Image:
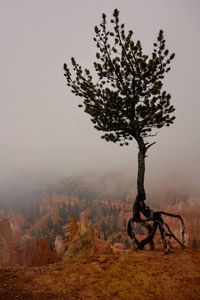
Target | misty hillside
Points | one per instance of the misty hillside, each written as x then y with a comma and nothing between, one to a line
107,199
115,185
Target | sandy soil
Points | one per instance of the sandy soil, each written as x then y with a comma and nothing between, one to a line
131,276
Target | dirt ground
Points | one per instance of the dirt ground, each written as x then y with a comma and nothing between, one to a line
131,276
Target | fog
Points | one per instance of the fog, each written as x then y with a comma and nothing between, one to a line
44,135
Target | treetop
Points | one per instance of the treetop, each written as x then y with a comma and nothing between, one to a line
127,101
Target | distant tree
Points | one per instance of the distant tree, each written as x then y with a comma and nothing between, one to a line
127,101
127,243
105,228
195,243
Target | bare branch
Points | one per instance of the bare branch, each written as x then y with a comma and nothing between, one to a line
150,145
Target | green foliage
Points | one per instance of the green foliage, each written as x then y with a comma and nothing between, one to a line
128,100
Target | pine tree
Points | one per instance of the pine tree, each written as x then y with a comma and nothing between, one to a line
127,101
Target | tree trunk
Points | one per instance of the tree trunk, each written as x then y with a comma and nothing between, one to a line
140,175
139,205
141,170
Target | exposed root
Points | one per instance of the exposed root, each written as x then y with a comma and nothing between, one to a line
152,223
182,223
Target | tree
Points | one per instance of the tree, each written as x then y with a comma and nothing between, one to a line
127,101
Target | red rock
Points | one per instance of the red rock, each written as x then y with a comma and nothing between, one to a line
102,247
84,241
7,244
118,248
59,245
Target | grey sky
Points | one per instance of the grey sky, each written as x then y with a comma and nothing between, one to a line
43,132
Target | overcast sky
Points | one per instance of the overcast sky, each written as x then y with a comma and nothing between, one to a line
43,134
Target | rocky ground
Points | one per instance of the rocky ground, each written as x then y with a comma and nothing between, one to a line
126,276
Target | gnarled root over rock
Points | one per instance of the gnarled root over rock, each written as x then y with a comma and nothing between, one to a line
153,222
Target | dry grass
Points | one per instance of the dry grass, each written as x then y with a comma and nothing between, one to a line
130,276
